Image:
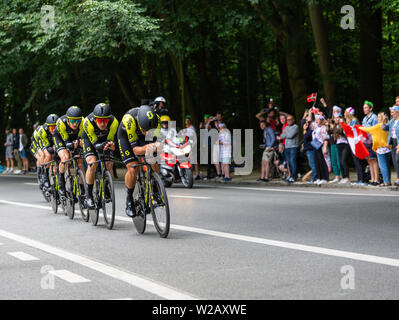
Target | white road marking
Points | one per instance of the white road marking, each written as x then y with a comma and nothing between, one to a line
311,192
28,205
138,281
274,243
282,244
69,276
23,256
187,197
31,184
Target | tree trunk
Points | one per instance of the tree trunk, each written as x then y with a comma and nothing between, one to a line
188,101
323,53
370,53
287,104
125,90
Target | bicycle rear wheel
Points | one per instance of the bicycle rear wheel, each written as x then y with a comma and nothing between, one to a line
159,206
81,196
108,200
140,220
70,197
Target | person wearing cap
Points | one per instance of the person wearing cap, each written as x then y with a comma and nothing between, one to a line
370,120
320,144
68,131
393,128
99,130
9,152
380,146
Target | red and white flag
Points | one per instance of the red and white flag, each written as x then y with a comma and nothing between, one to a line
312,97
355,138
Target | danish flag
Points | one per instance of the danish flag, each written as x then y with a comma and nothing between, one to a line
355,138
312,97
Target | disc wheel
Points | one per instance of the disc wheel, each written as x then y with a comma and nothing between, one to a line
140,220
159,206
108,200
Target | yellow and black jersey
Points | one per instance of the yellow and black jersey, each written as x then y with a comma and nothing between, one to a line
131,126
66,133
44,137
94,134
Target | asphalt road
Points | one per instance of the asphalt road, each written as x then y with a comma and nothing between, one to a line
226,242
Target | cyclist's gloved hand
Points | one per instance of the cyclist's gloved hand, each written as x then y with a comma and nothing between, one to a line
100,146
51,150
70,146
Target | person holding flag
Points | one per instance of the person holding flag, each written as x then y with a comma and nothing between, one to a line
355,137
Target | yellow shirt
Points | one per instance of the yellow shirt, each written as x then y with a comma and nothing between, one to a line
380,137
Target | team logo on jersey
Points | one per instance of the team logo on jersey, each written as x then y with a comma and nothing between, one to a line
150,115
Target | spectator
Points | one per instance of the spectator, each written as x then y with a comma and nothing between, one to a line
393,128
9,152
380,146
333,126
23,142
280,162
308,125
351,120
190,131
319,143
17,156
282,123
219,117
344,151
291,136
225,151
211,168
370,120
269,139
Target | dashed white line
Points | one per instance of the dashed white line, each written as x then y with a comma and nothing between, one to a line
138,281
31,183
68,276
188,197
22,256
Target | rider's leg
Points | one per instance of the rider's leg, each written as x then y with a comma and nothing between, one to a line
90,177
130,183
46,158
64,156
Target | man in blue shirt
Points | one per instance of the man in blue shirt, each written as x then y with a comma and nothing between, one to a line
370,120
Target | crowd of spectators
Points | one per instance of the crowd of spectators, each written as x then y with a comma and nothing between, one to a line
331,139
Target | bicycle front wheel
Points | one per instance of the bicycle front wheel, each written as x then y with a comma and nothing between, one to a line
159,206
53,190
108,200
70,197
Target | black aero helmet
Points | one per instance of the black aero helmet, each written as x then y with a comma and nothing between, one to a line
52,120
74,112
102,110
147,118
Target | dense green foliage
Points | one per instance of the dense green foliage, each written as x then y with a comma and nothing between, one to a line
202,55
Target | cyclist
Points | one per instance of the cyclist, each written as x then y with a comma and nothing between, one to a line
132,143
99,130
37,152
45,143
159,105
68,131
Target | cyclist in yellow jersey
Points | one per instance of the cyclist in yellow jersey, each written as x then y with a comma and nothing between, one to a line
132,143
66,138
99,131
44,138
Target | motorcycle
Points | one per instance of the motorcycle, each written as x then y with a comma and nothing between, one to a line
175,166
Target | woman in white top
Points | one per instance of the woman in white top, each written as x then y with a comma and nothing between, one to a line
320,143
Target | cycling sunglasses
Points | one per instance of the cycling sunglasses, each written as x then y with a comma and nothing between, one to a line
74,121
102,120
